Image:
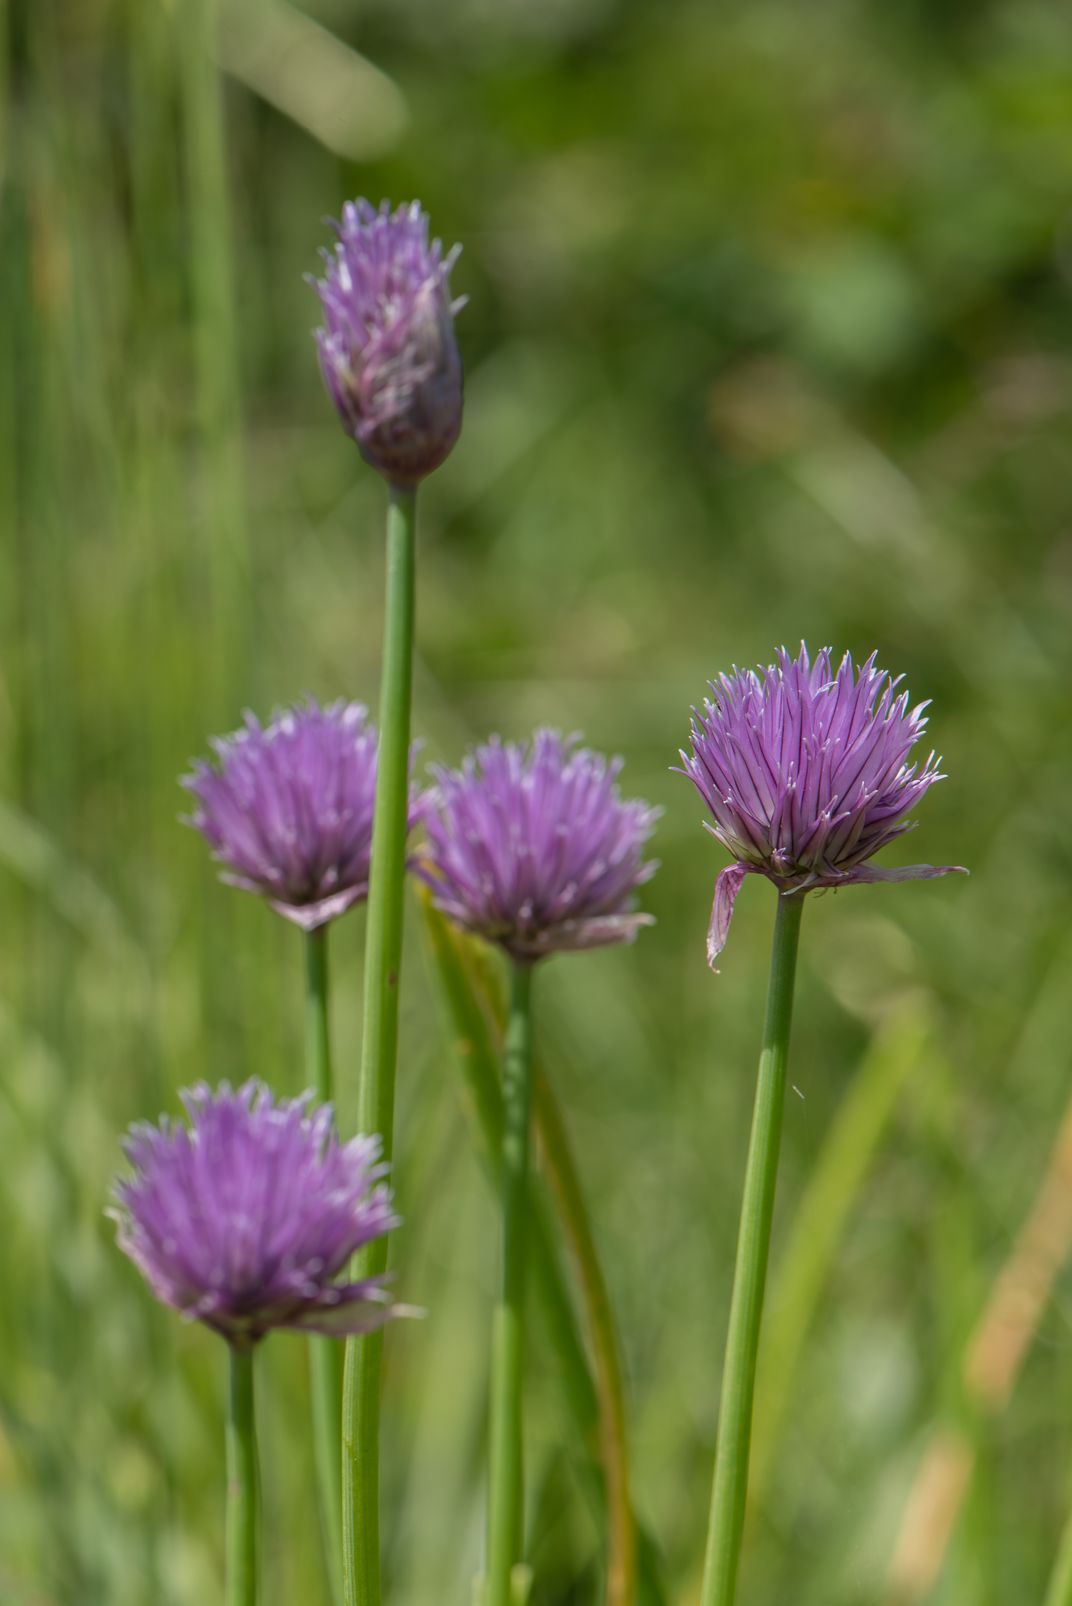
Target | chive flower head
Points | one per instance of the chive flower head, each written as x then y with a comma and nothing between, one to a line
807,772
387,347
287,808
531,847
245,1219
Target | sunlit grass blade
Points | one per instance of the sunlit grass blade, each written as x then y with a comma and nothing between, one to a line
992,1363
222,518
1059,1592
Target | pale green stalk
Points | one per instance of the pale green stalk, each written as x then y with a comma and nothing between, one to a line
325,1357
750,1274
506,1461
241,1482
614,1448
379,1049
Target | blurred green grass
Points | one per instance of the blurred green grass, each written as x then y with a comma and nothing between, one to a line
768,337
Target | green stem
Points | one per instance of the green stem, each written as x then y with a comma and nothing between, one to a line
325,1356
750,1274
379,1049
505,1474
241,1482
565,1185
473,1002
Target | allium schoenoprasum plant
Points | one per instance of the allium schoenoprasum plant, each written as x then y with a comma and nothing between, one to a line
391,365
808,772
531,847
247,1220
287,810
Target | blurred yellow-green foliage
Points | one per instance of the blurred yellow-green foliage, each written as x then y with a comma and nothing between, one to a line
769,335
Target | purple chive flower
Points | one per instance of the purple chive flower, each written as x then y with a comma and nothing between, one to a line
806,771
387,347
245,1219
531,847
288,809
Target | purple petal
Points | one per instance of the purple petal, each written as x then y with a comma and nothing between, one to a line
727,886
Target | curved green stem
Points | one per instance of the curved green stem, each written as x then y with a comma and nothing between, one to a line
506,1468
750,1274
241,1482
379,1048
325,1356
565,1185
473,1002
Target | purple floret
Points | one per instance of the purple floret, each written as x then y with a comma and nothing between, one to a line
806,771
387,347
531,847
245,1219
287,809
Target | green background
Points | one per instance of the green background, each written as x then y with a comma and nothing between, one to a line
768,337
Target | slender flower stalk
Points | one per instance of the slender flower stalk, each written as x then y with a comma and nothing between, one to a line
243,1519
595,1399
750,1275
807,772
325,1361
390,362
530,847
379,1047
506,1470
